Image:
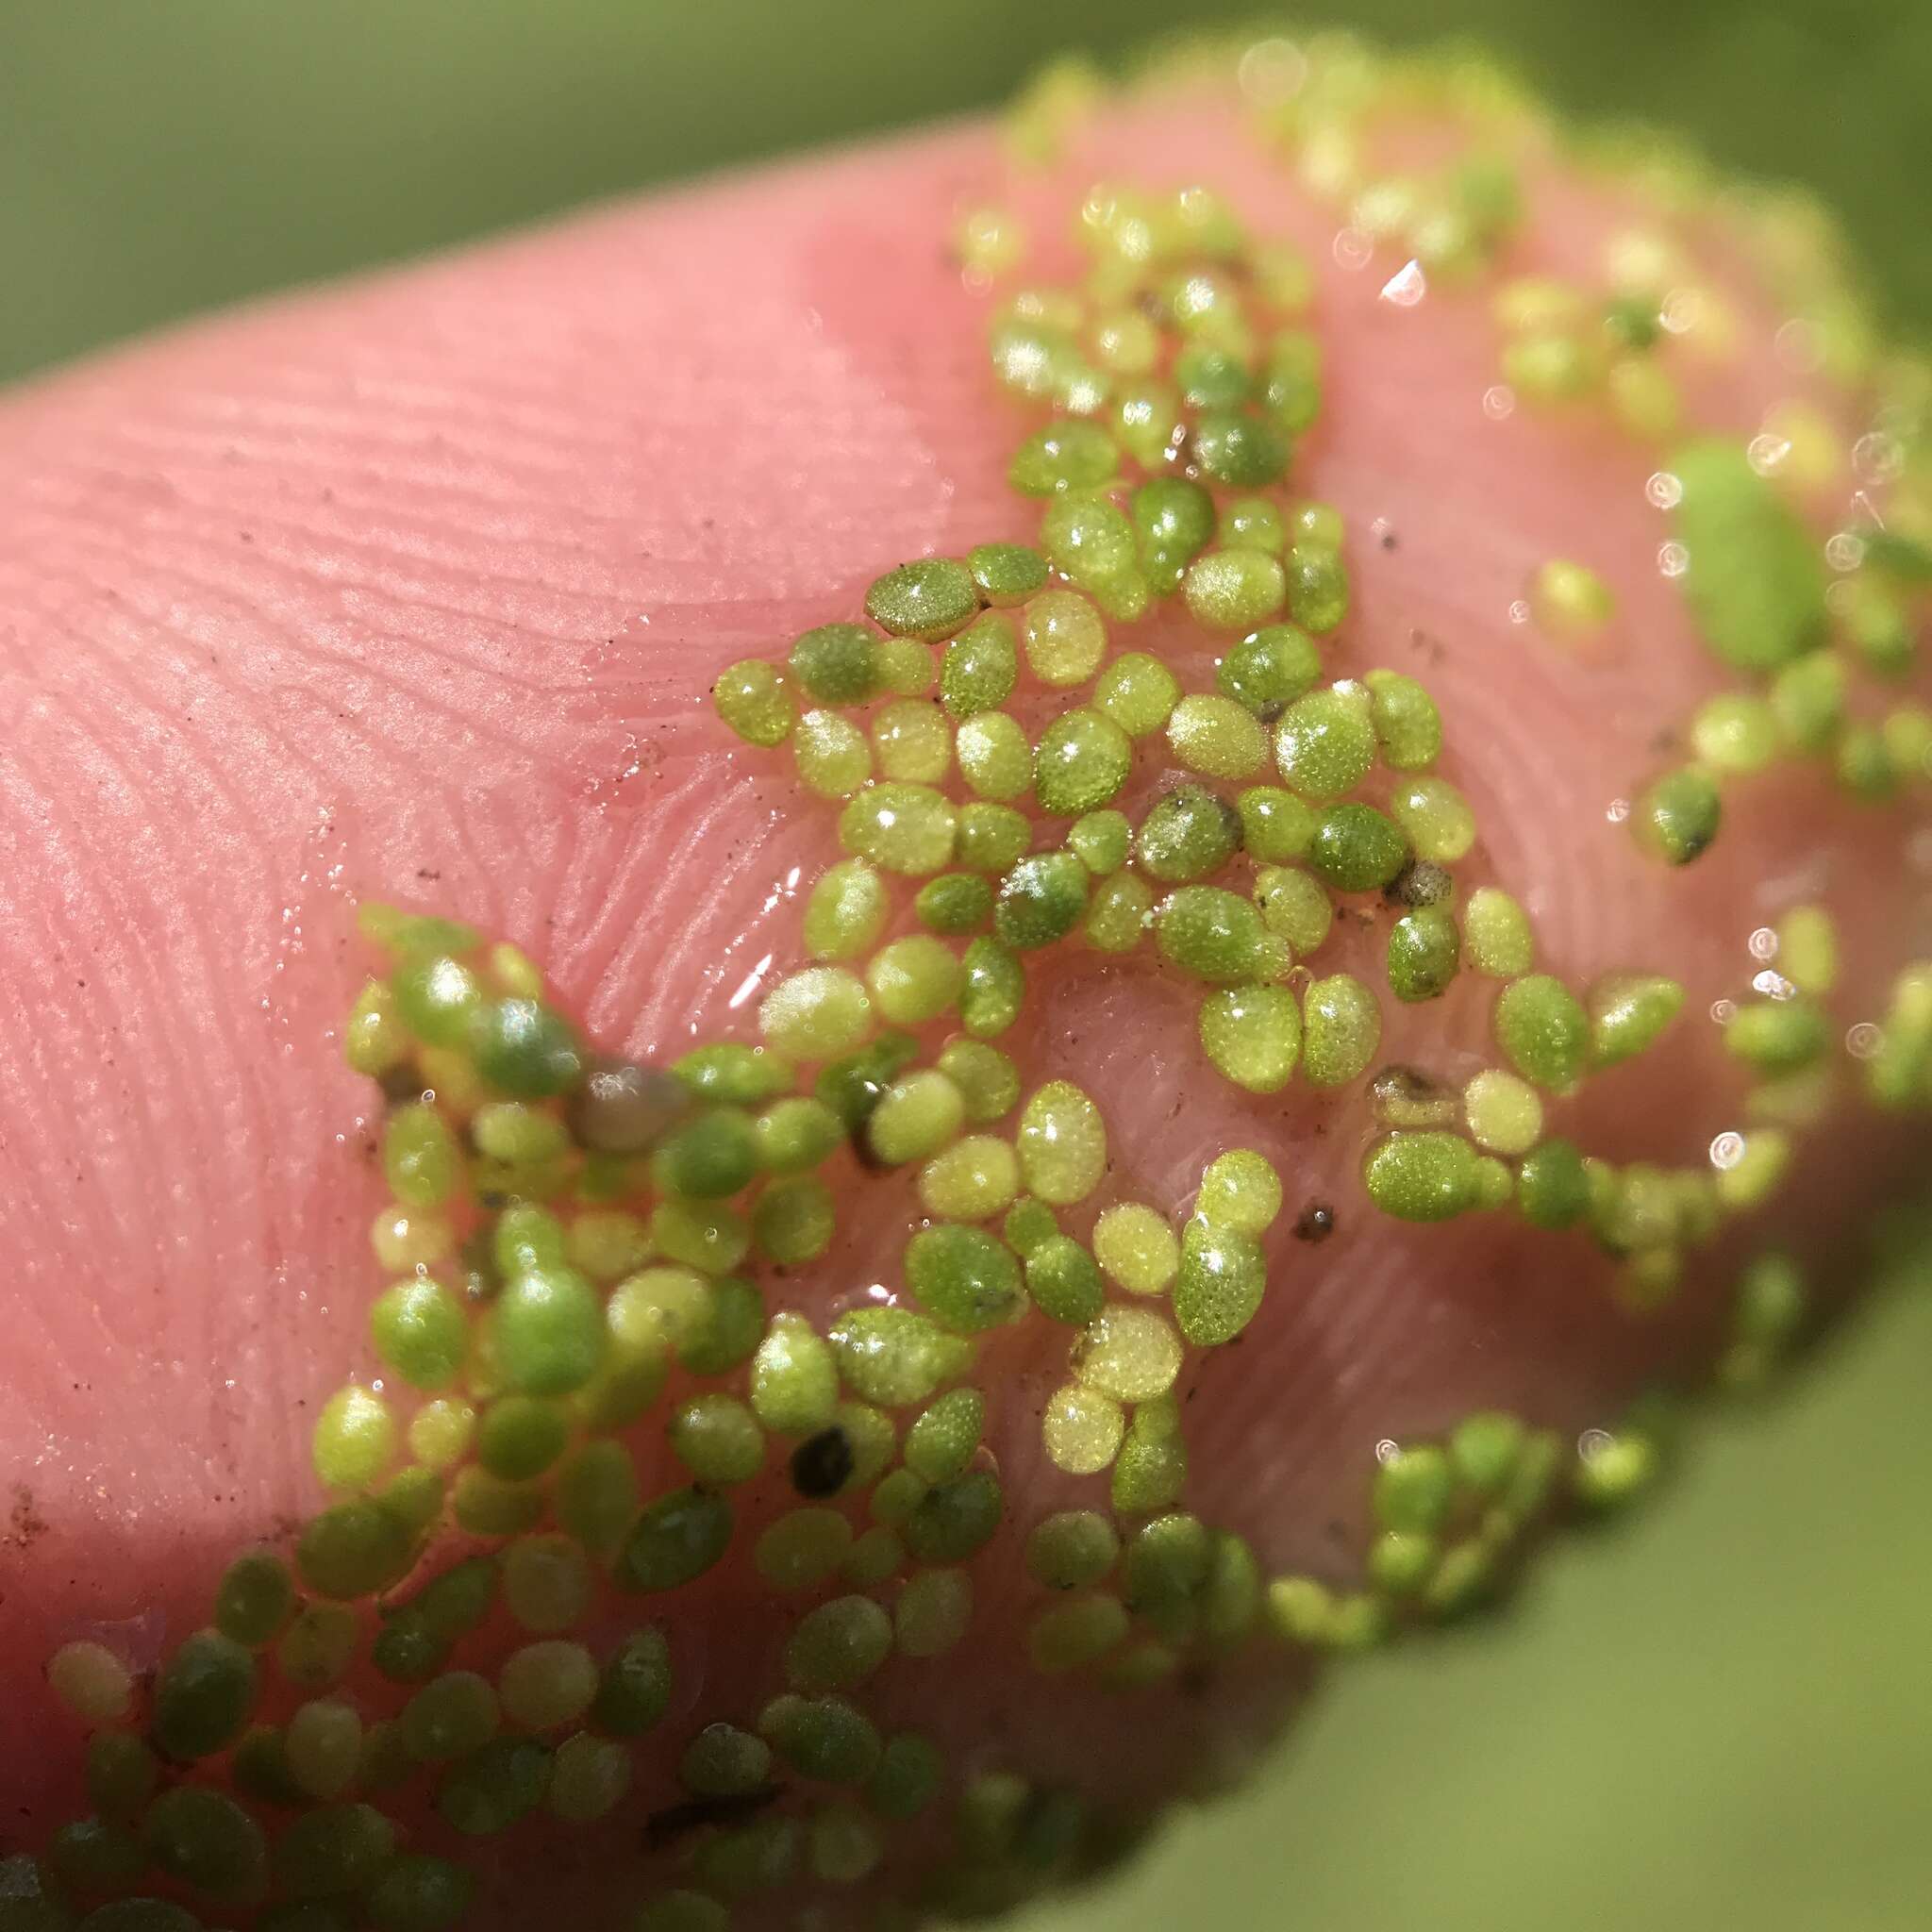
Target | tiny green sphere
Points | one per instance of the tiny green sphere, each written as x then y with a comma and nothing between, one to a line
549,1332
1678,817
792,1221
1552,1185
1234,589
1214,935
1135,1248
1006,574
1064,1281
1062,1144
489,1790
816,1014
420,1159
677,1539
1356,848
1040,900
941,1441
711,1159
845,912
1067,1636
717,1438
354,1439
1808,698
203,1696
1293,907
1341,1028
1212,378
1504,1113
416,1892
1101,842
1863,763
992,836
834,664
995,758
916,1115
634,1689
893,1356
1437,818
914,980
1627,1012
994,989
1064,638
1495,931
1148,419
1219,1288
831,755
1428,1175
1072,1550
909,829
1068,454
1080,763
437,998
1408,725
1317,587
1092,543
972,1180
933,1613
722,1761
526,1051
1130,1352
1244,451
1776,1037
987,1078
1735,732
253,1603
796,1133
679,1911
1119,914
956,1520
1174,517
1425,949
802,1549
451,1717
1216,737
1268,670
955,904
1239,1190
824,1739
1325,741
1188,834
596,1497
837,1646
1252,1035
1544,1031
521,1436
929,599
753,699
1756,582
727,1074
1277,826
1138,693
1414,1489
795,1378
963,1277
981,666
1254,522
207,1842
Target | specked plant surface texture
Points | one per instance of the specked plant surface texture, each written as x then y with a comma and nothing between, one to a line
853,996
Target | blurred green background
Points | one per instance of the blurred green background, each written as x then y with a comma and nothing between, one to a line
1722,1719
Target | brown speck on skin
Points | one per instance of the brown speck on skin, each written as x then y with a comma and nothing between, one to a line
1315,1223
25,1525
675,1820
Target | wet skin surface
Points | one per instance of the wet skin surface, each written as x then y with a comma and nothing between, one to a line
415,593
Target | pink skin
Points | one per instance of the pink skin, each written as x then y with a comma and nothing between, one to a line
414,590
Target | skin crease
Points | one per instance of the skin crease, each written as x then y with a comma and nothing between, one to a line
414,590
